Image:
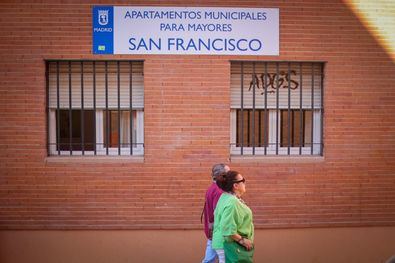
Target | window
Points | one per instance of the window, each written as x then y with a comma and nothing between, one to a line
251,127
70,134
297,123
95,107
276,108
119,133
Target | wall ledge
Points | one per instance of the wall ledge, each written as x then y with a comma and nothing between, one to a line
94,159
276,159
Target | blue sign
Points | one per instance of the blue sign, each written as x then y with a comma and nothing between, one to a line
103,30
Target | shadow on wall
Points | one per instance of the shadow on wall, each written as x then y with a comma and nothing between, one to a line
378,17
391,259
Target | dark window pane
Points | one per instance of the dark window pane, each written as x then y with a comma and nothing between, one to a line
296,130
76,138
247,126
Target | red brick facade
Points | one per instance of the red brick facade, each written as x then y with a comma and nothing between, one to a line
187,129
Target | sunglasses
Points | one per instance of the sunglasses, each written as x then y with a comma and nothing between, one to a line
240,181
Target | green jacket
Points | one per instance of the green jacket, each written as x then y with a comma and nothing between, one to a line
231,216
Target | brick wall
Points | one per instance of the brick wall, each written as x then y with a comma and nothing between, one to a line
187,103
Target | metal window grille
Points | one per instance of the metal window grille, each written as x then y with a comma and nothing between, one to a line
95,107
277,108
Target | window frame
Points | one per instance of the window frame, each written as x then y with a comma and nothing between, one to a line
315,149
134,149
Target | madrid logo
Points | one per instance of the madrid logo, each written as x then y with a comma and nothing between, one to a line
103,17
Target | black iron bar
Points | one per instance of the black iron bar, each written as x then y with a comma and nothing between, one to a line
241,108
119,107
293,114
237,127
131,106
70,113
322,112
253,108
82,109
277,105
57,109
107,113
94,107
289,109
312,107
249,127
260,127
266,113
47,106
301,123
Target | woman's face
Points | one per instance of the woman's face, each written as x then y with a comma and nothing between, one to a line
239,186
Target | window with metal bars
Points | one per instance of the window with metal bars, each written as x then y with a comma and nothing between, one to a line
95,107
276,108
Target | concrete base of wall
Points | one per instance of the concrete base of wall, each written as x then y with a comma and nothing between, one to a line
348,245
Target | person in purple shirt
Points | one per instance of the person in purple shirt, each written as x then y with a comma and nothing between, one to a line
212,195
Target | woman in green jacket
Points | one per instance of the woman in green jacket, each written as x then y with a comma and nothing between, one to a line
233,227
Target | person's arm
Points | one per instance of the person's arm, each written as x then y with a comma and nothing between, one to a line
242,241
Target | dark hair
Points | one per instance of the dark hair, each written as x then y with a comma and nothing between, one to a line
225,181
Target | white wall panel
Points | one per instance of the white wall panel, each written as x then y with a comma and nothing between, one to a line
88,85
307,85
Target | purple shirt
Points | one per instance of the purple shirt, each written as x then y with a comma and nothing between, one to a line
212,195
